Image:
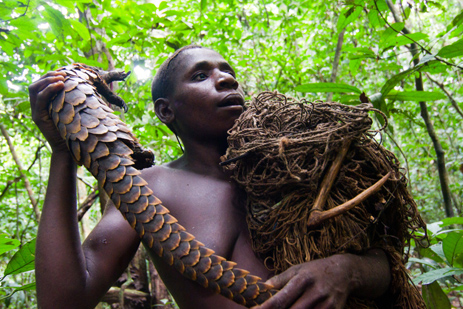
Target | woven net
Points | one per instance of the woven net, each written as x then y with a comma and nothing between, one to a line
281,149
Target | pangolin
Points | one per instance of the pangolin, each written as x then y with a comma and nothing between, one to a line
101,142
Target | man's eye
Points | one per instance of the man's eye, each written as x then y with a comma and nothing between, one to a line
200,76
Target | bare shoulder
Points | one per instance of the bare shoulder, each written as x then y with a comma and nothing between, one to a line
113,229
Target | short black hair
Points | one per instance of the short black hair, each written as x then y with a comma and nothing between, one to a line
163,84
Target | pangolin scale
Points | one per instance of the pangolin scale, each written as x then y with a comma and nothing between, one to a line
101,142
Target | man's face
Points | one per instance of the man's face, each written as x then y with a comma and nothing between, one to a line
206,99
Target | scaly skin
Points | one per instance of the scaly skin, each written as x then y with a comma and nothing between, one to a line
101,142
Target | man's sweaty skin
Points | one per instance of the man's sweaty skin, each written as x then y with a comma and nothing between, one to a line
198,193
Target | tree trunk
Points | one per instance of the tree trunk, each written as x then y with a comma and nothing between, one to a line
337,56
440,154
27,183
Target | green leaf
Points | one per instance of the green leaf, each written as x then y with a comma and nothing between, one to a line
427,262
453,248
347,17
437,5
374,18
203,5
379,103
434,66
3,87
23,260
437,274
7,244
456,21
434,297
427,58
394,80
382,5
327,87
56,20
451,221
452,50
410,38
431,254
416,96
26,287
361,53
80,29
353,99
391,32
437,249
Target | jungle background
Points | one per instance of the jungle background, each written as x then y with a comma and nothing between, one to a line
406,56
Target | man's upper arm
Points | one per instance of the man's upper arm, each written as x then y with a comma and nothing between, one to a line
108,250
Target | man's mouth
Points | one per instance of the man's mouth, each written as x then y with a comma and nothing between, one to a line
234,99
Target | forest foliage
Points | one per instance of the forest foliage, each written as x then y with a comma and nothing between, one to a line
405,56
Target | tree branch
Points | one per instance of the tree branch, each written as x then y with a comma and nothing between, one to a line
8,185
440,154
405,33
452,100
87,203
23,14
27,184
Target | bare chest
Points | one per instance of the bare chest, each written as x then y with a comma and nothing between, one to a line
209,209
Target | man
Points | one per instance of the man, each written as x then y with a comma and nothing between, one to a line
197,96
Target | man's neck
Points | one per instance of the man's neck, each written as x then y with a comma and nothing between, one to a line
202,158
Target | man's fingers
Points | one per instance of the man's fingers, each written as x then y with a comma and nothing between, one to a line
281,300
280,280
40,102
42,83
288,294
51,73
51,90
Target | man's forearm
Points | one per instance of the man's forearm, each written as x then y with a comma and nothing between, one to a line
371,274
60,263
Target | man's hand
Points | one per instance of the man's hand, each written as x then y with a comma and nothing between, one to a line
327,283
318,284
40,94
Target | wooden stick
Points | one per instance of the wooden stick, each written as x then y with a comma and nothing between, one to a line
330,177
317,217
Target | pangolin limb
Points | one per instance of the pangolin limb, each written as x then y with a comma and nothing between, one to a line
101,142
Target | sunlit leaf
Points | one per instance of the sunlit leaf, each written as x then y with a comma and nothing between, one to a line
390,84
23,260
391,32
452,50
416,96
408,39
457,20
7,244
80,29
348,16
453,248
451,221
327,87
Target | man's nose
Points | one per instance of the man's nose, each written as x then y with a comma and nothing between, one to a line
226,81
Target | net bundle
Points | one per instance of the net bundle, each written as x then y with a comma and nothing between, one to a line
282,152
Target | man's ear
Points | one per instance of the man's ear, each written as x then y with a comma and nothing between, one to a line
164,111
